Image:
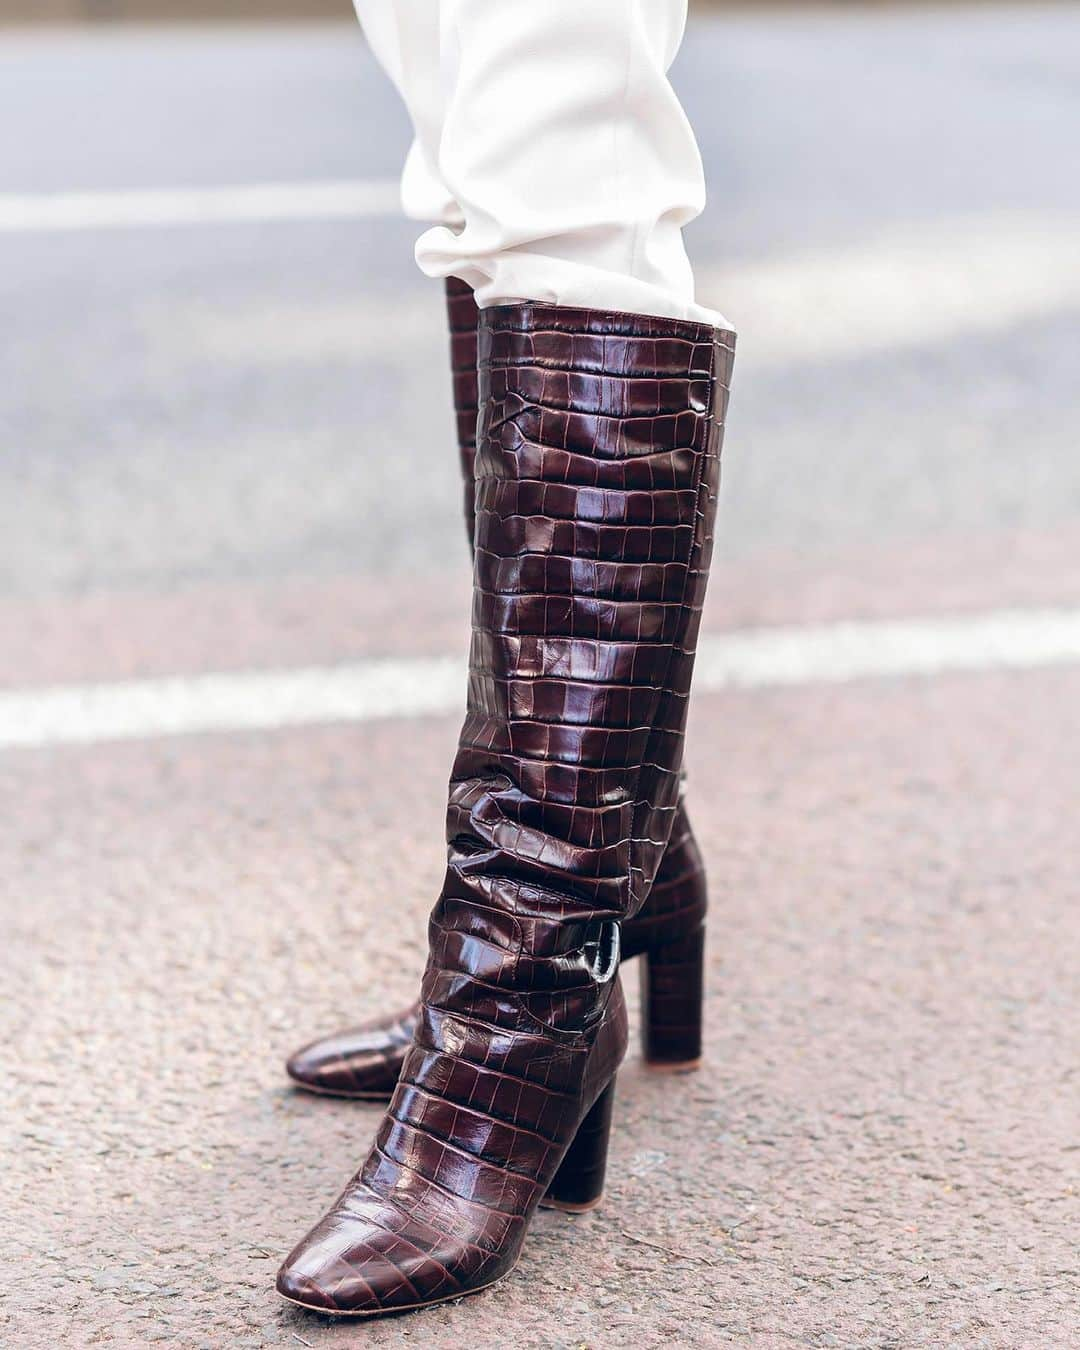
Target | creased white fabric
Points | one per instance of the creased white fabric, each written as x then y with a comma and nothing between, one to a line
550,149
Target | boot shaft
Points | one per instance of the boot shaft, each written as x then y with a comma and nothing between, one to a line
597,468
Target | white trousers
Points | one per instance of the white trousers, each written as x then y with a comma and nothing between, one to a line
551,156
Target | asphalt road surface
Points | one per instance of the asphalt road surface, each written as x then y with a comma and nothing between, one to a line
231,668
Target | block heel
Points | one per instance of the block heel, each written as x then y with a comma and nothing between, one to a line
578,1185
672,991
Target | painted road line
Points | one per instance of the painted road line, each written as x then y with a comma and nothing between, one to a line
236,701
372,690
231,204
901,288
1020,639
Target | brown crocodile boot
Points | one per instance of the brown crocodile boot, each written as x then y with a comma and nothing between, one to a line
597,468
363,1062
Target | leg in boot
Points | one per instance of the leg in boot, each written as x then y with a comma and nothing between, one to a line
596,479
596,473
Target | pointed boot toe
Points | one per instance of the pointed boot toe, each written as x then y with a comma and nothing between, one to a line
298,1288
362,1063
366,1257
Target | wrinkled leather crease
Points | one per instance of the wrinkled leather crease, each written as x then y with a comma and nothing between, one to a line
596,473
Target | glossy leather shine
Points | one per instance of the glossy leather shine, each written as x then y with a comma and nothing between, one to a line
596,475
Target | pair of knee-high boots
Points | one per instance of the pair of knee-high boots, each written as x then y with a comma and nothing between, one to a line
590,447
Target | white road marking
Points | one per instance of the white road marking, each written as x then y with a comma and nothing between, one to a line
230,204
901,288
370,690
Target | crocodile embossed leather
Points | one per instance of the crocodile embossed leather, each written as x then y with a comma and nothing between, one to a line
596,474
363,1062
462,317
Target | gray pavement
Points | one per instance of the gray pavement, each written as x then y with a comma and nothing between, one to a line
203,435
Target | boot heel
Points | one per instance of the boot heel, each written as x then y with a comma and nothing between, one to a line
672,991
578,1185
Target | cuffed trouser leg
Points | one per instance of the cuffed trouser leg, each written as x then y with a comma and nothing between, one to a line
550,149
